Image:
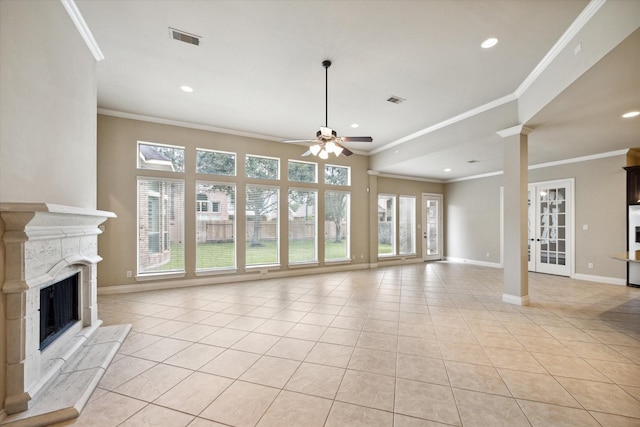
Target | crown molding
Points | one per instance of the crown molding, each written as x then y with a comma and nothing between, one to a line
460,117
577,25
189,125
547,165
83,28
410,178
515,130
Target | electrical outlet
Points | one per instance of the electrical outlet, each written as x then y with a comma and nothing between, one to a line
488,255
590,265
129,273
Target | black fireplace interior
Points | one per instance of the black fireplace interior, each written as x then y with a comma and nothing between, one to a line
58,309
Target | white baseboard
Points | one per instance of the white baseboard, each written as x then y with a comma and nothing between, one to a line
513,299
474,262
214,280
600,279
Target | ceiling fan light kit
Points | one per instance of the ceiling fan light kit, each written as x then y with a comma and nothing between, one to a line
327,140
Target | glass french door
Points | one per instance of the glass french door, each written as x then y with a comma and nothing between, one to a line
550,227
432,227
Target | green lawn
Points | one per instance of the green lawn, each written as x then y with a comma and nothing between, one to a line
220,255
384,248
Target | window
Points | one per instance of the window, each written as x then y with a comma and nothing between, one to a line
202,202
302,226
262,167
303,171
386,224
160,225
337,175
407,225
215,226
215,162
160,157
336,225
262,225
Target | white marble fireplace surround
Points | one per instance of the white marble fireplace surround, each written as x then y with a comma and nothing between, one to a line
45,243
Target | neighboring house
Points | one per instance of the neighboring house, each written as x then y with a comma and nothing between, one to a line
151,158
215,216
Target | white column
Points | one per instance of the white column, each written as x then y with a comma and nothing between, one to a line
516,281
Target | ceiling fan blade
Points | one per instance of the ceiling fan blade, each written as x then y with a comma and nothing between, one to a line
306,153
357,139
346,151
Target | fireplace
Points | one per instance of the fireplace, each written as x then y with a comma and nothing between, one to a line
56,351
58,309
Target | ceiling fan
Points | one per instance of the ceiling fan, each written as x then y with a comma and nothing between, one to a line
327,140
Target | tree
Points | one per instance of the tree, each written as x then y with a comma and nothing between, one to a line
261,200
336,202
175,155
335,209
216,163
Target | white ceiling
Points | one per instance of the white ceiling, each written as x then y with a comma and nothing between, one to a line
258,71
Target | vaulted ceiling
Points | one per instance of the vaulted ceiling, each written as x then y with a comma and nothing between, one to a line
568,69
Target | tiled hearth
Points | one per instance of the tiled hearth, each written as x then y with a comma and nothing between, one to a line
45,243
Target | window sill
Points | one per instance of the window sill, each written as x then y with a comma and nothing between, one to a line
216,272
160,276
304,264
265,267
338,261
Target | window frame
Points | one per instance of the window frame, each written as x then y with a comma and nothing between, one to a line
170,216
394,225
226,269
235,161
315,227
413,231
278,189
156,144
328,165
246,171
315,164
347,235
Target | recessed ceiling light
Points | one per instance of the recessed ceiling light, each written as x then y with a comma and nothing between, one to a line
490,42
631,114
447,170
354,125
187,89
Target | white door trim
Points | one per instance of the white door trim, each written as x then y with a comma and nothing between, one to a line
423,244
571,241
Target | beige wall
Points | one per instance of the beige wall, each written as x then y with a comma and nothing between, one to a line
48,105
47,116
473,215
117,172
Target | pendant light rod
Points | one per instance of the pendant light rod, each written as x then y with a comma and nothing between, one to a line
326,64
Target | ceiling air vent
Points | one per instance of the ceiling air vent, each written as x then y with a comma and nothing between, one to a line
184,37
396,99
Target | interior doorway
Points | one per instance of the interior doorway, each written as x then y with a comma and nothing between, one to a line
550,227
432,227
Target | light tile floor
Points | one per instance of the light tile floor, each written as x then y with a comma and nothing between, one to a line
417,345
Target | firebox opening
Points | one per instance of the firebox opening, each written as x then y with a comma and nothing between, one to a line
58,309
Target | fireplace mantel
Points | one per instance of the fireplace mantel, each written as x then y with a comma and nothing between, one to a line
45,243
